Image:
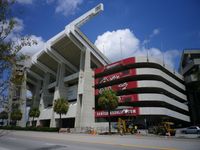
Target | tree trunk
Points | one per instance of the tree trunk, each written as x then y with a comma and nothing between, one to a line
109,121
60,122
33,122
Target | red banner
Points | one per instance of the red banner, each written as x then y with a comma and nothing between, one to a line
118,87
119,112
115,64
115,76
128,98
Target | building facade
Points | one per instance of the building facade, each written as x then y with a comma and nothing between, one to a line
71,67
64,69
190,69
148,91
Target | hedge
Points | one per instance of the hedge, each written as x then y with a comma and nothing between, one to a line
44,129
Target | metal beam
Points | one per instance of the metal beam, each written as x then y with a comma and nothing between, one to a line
87,16
56,59
31,81
44,67
90,46
71,77
35,75
62,59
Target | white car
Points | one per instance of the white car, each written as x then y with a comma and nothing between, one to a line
192,130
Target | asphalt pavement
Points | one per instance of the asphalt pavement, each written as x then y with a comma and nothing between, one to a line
26,140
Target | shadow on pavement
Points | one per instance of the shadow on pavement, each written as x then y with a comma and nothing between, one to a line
4,133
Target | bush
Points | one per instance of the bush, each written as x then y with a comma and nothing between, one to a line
43,129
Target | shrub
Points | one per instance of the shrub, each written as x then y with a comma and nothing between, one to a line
43,129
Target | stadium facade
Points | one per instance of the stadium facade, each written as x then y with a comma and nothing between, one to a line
71,67
190,69
147,89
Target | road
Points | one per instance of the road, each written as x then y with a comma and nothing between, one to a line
26,140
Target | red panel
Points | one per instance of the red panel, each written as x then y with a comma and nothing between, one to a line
118,87
128,98
112,65
115,76
118,63
134,111
99,70
128,61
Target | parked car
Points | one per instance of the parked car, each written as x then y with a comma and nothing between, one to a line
192,130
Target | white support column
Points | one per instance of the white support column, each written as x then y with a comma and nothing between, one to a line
60,89
22,122
45,93
85,98
37,94
80,92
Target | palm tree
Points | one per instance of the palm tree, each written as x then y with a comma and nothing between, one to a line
16,115
61,106
34,112
4,115
108,100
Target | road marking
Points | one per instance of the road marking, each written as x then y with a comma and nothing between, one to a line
109,143
128,145
149,147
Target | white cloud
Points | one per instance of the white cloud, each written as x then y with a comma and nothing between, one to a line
25,1
66,7
155,32
31,50
109,44
19,26
15,36
49,1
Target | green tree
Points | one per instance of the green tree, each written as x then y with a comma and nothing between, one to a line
4,115
108,100
61,106
16,115
11,43
34,112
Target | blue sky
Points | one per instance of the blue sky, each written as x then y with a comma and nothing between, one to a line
163,27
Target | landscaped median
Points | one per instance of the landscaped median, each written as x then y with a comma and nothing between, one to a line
43,129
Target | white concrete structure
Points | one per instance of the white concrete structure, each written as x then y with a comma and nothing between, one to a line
64,69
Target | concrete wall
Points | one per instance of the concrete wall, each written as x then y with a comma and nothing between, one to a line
162,98
159,84
153,71
163,111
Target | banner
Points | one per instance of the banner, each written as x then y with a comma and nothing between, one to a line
128,98
119,112
118,87
115,76
123,62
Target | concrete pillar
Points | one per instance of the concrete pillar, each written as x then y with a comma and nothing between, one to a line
85,98
80,91
45,93
60,89
36,100
11,89
22,99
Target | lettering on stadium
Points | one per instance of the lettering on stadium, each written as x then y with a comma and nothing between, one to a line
120,112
